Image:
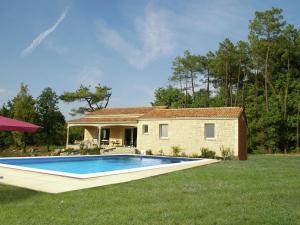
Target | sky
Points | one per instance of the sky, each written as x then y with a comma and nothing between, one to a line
128,45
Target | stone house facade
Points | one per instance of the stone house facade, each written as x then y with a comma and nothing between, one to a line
159,129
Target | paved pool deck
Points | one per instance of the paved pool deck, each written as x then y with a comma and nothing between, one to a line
58,184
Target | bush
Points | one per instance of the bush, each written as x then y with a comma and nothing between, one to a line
81,146
136,151
149,152
91,151
183,154
206,153
176,150
161,152
195,155
226,153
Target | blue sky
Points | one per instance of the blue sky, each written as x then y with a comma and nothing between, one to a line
127,45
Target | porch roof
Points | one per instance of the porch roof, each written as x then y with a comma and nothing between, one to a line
103,120
122,111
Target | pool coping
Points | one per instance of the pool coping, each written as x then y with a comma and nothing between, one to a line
58,183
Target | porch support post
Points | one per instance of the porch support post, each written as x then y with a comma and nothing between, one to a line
99,136
67,142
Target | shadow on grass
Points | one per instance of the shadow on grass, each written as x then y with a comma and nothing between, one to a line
9,194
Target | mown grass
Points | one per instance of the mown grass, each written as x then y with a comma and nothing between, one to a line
263,190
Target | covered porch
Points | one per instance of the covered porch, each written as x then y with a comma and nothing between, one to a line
104,136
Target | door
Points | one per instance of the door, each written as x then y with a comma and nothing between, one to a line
130,136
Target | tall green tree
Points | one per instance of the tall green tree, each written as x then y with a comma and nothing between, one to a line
226,67
187,68
50,118
170,97
6,138
97,99
23,108
265,29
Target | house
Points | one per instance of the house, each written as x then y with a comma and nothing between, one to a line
159,129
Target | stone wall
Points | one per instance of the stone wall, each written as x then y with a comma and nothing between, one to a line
189,135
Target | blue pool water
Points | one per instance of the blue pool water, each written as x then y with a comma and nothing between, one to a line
91,164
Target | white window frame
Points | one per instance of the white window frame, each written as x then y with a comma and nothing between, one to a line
160,131
143,129
205,136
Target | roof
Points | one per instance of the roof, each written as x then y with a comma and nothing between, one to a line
130,110
103,120
227,112
123,115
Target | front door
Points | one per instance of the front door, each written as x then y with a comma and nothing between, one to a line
130,136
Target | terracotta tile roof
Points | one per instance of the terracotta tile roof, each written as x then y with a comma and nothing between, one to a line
155,112
102,120
227,112
131,110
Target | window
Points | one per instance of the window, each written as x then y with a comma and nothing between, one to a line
209,130
145,129
163,131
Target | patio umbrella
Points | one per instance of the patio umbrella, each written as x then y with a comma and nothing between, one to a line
7,124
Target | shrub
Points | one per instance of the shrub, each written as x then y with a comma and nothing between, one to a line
226,153
206,153
183,154
136,151
81,146
90,151
195,155
176,150
161,152
149,152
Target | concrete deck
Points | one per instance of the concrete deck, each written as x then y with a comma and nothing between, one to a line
58,184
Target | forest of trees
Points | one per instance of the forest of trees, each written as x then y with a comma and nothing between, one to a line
261,74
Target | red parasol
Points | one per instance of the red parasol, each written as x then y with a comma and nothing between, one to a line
7,124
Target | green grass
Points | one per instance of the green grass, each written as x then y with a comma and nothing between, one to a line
263,190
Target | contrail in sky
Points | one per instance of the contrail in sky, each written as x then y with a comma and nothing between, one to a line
41,37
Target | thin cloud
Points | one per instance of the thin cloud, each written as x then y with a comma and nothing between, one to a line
41,37
154,33
90,76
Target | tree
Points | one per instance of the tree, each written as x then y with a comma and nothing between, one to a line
170,97
50,118
207,63
187,68
264,30
244,67
23,108
95,100
6,138
226,66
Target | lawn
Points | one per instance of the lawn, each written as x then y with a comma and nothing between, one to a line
263,190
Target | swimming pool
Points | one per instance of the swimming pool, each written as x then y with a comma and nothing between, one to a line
91,166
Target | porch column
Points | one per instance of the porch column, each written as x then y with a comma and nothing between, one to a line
67,142
99,136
